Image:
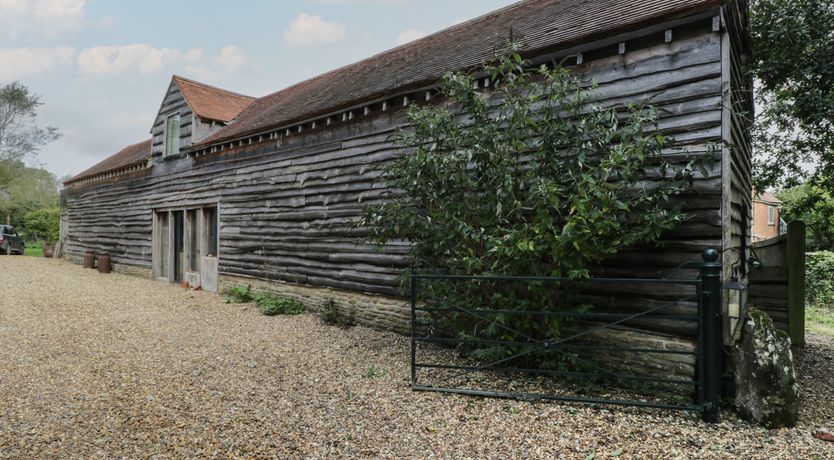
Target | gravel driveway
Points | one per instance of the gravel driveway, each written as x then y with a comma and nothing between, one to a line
115,366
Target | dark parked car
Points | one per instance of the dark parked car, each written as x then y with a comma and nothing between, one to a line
10,242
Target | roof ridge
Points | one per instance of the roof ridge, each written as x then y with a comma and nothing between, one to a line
539,24
179,78
412,43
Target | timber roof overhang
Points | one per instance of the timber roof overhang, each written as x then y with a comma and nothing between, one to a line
130,159
538,26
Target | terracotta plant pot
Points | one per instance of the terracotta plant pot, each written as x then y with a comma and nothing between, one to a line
48,251
104,263
90,259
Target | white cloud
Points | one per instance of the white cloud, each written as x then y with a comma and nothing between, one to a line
306,30
12,6
68,11
17,63
227,63
143,59
137,57
42,18
409,35
361,2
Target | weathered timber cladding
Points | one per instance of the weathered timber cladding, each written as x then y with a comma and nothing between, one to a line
736,127
288,205
173,104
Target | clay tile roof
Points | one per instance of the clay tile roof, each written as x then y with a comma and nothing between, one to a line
538,26
210,103
128,156
766,197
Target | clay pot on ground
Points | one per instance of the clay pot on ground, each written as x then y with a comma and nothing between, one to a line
48,250
104,262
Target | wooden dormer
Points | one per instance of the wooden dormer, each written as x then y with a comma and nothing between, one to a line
191,111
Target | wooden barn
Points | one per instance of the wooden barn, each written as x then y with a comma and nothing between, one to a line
233,190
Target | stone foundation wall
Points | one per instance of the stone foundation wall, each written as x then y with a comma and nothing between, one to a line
133,270
375,311
657,365
125,269
73,259
394,314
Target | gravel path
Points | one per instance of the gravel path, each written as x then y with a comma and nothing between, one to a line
103,366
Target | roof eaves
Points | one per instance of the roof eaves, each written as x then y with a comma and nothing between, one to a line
697,9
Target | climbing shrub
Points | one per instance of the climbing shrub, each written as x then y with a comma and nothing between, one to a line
530,177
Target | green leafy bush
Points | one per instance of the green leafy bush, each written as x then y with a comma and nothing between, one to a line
239,294
546,183
819,279
270,305
332,314
42,224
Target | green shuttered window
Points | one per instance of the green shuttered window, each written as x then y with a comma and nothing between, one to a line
172,136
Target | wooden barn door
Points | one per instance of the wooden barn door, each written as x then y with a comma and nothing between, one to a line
186,246
179,246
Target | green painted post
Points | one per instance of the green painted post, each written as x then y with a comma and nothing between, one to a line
413,281
711,336
796,282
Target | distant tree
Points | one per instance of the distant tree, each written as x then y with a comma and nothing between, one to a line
814,204
20,136
42,224
793,64
22,188
28,189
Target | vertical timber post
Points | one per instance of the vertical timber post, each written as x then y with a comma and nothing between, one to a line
796,282
711,335
413,281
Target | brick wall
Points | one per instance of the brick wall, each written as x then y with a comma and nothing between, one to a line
762,229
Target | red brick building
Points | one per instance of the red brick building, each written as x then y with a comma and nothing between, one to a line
767,215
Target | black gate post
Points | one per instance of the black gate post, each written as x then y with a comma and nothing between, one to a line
413,286
711,335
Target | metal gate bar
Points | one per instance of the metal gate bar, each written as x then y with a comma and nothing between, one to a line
707,296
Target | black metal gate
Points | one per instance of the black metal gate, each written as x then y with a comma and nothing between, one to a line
498,346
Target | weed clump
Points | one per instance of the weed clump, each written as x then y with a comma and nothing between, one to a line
332,314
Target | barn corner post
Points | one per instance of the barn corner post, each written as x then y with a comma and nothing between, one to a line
796,282
710,340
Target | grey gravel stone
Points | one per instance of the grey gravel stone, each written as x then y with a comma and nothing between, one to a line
112,366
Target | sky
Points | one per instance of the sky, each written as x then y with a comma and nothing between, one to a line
101,67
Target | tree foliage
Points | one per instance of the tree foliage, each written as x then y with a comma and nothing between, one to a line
547,183
531,178
819,279
793,63
42,224
27,189
23,188
812,203
20,136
